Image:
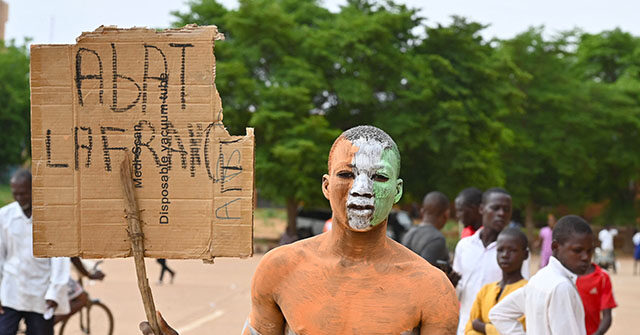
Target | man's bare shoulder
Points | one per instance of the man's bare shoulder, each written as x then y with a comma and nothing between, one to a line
288,257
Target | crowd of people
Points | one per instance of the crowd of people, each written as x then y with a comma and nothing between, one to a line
570,294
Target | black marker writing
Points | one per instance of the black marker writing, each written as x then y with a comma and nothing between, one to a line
80,77
116,75
182,70
48,151
87,147
105,145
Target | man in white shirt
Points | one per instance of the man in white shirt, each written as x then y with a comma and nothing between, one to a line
606,236
550,299
29,286
475,256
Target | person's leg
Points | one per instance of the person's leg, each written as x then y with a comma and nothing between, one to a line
171,272
163,264
37,325
9,321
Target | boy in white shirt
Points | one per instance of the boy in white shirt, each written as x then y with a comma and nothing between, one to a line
550,300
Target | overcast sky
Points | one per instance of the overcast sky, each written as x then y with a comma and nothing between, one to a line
61,21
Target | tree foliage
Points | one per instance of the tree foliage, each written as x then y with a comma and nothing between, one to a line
554,120
14,104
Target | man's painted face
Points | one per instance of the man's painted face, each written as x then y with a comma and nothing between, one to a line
362,185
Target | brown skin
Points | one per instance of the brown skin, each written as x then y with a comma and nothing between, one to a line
510,255
21,190
348,281
575,253
436,221
496,214
469,215
145,328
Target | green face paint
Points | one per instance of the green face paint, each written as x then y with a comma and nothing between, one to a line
386,192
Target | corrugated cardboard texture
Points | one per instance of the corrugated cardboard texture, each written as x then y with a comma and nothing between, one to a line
151,93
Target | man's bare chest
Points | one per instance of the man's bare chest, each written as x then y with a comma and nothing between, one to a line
360,300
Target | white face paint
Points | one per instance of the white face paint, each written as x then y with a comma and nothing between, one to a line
361,200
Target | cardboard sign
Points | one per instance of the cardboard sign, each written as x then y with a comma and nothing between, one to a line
151,93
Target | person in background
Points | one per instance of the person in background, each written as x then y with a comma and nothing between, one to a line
468,210
597,298
164,268
513,249
550,299
31,288
425,239
544,240
606,237
475,256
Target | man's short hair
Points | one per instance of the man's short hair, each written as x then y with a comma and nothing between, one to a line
367,133
21,175
569,226
489,192
517,234
435,204
470,196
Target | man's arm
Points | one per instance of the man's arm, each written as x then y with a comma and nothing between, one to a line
505,314
58,280
265,317
442,320
605,323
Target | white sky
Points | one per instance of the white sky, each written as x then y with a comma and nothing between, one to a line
61,21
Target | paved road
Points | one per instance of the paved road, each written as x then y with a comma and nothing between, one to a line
214,299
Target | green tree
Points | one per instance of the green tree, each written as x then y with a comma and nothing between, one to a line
609,64
266,81
457,89
14,104
549,160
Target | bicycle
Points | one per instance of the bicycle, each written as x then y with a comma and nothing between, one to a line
95,317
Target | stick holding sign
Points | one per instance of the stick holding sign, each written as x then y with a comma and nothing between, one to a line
137,241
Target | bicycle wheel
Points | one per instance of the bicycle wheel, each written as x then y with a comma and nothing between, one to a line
96,319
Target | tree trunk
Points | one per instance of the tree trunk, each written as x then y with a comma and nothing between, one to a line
529,224
292,212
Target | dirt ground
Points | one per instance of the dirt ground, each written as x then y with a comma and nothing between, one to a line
214,299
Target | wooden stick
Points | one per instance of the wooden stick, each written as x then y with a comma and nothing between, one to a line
137,242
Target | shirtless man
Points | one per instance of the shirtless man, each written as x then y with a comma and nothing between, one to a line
353,279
